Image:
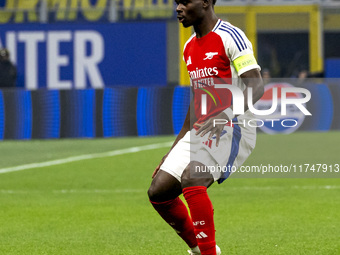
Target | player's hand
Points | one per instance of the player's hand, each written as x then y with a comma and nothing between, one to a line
212,127
159,166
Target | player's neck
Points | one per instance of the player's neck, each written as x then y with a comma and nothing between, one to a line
206,25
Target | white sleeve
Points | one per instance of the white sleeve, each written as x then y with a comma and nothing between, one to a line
239,49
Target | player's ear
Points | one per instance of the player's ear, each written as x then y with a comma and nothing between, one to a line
206,3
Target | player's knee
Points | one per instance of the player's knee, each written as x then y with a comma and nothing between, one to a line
155,194
152,193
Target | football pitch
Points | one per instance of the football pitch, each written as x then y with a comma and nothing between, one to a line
97,203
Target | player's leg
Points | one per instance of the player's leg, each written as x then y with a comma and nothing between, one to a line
194,187
163,194
194,176
164,187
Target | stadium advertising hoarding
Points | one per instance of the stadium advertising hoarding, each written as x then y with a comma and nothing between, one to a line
288,105
124,111
282,109
23,11
276,2
58,10
292,119
84,10
60,56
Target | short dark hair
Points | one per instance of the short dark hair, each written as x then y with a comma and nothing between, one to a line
214,2
4,52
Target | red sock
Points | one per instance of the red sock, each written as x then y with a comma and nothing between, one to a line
202,214
175,213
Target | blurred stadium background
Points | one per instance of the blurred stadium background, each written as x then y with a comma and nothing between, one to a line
113,69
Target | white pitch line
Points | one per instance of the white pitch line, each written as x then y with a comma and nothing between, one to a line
85,156
71,191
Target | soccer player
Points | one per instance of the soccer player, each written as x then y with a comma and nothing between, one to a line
217,53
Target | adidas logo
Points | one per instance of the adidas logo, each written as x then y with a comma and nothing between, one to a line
189,61
201,235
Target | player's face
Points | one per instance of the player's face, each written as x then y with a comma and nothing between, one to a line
189,12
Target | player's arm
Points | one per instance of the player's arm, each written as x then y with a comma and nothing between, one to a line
185,128
252,79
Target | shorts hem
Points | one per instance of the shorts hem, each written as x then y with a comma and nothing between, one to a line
173,173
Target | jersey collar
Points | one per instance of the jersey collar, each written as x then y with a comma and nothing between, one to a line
217,24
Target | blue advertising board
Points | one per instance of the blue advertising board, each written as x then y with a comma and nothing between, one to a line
113,112
78,56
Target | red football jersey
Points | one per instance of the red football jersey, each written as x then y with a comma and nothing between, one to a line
219,57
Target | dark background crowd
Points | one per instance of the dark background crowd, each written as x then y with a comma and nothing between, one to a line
8,71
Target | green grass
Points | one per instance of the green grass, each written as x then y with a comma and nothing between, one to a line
23,152
100,206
